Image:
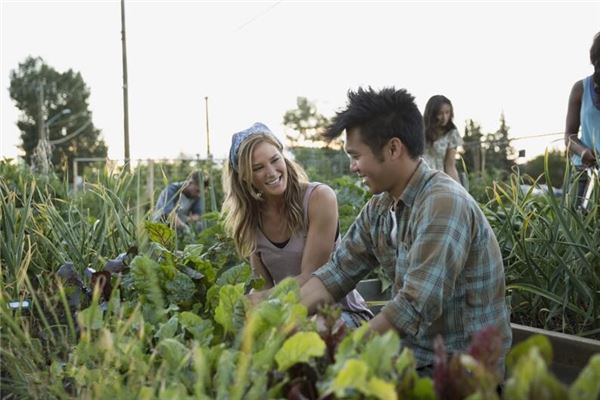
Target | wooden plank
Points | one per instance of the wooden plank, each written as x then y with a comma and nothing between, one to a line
571,353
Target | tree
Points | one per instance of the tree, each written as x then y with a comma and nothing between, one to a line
498,152
45,95
472,146
306,121
556,167
322,160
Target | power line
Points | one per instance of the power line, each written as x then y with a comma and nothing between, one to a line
258,16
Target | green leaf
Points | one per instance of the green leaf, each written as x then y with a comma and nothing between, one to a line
234,275
192,252
168,329
587,384
201,329
173,352
542,343
379,351
286,290
348,347
353,375
225,373
405,362
180,290
161,234
301,347
230,300
202,368
144,271
381,389
423,390
530,379
91,317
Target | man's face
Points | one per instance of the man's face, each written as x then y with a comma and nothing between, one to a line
191,190
363,162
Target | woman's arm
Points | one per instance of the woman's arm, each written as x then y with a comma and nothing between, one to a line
572,126
259,268
450,164
322,228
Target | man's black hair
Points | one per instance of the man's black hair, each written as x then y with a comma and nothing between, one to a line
381,116
195,177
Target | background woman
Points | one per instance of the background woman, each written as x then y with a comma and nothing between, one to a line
441,136
286,225
584,111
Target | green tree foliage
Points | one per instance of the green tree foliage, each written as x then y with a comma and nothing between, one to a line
556,166
322,161
305,120
498,152
60,92
472,146
490,151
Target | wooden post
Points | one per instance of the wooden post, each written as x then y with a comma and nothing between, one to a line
150,183
125,90
75,172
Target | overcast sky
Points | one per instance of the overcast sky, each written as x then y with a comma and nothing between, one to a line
252,59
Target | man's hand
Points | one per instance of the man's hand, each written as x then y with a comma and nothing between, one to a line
193,218
380,324
313,293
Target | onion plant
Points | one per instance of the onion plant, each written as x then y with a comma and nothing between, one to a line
551,250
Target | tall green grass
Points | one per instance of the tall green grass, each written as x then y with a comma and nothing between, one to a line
551,250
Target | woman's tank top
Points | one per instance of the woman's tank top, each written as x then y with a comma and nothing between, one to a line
281,262
590,119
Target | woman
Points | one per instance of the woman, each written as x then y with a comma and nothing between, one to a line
441,136
584,111
286,225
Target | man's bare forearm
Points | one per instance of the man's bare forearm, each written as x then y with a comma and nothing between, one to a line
313,293
380,324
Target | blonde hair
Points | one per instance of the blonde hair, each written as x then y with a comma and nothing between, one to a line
243,203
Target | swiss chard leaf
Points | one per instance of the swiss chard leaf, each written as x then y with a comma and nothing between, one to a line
230,311
299,348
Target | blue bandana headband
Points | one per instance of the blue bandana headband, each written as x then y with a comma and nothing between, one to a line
238,138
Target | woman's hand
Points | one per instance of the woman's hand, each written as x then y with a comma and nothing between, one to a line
256,297
588,158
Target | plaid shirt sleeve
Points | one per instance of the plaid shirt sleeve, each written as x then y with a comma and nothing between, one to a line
442,235
352,259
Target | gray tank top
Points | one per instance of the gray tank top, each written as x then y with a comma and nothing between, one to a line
287,261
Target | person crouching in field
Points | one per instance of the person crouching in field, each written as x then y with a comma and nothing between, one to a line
182,202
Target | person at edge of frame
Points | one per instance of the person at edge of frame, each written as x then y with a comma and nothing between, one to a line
584,111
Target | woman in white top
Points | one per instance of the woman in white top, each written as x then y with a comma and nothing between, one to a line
441,136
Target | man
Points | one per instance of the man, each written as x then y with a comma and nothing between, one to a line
184,198
423,228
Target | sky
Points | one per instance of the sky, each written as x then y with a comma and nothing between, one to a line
253,59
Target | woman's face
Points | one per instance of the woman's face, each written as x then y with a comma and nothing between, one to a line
269,171
444,115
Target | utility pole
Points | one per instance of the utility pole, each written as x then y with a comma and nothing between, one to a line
125,95
208,155
41,154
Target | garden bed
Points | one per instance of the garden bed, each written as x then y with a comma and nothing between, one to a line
570,353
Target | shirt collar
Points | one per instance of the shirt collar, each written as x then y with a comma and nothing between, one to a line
414,185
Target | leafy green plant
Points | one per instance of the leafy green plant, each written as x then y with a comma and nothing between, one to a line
550,249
